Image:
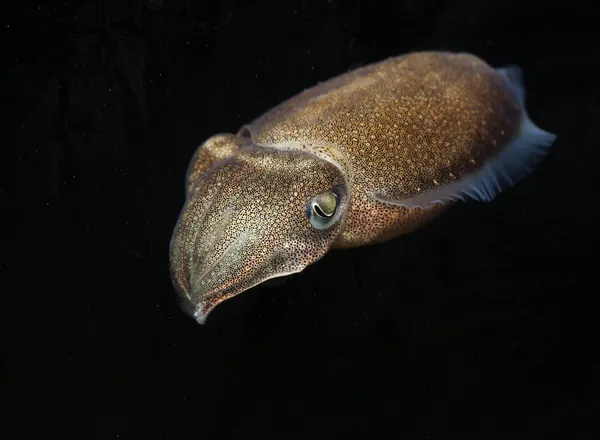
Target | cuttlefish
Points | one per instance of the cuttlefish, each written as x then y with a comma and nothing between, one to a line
364,157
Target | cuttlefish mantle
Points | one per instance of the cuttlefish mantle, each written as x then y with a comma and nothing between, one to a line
362,158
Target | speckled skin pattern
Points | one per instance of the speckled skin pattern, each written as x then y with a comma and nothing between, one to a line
383,133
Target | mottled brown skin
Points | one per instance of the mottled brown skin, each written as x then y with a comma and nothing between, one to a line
407,125
385,133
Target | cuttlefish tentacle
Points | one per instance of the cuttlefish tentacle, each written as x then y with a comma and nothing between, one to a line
364,157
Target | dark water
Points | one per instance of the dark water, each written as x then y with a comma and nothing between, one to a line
482,325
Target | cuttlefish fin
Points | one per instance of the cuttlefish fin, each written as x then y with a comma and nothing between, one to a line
513,77
517,160
215,149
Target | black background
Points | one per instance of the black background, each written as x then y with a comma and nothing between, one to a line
482,325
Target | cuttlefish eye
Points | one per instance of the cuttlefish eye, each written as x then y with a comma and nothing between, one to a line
322,210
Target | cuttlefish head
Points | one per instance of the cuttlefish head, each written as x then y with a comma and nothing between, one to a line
259,214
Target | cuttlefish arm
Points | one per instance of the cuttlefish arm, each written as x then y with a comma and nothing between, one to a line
361,158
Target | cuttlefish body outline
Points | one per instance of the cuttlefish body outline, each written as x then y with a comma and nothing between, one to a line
362,158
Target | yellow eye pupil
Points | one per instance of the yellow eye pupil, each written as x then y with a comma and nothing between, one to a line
325,204
317,209
322,210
